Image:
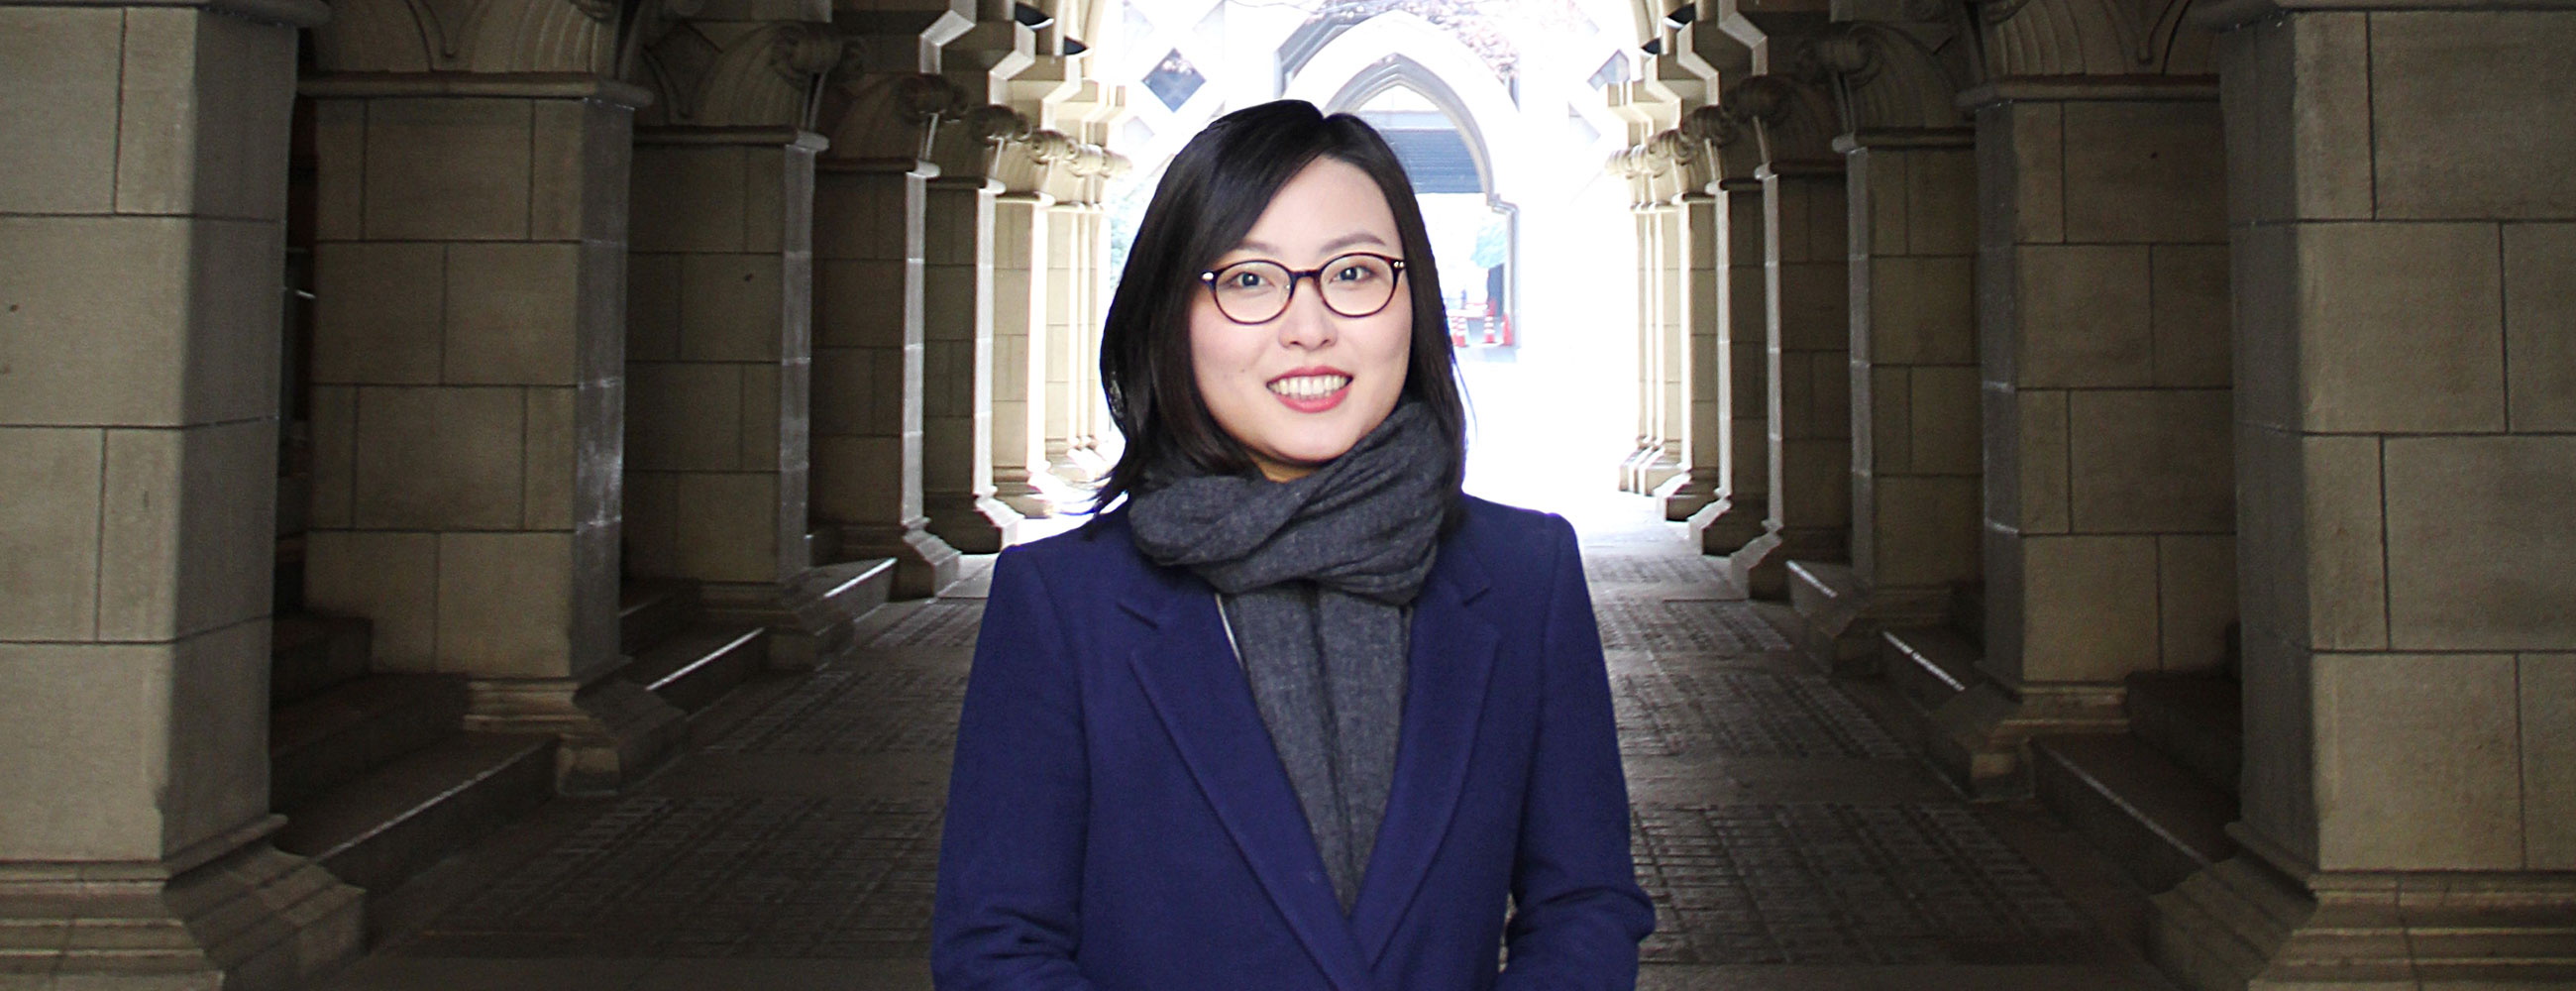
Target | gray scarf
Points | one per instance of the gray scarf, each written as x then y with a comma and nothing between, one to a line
1316,575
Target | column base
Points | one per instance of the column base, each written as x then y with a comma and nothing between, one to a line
1979,737
1839,617
813,620
1686,494
1726,525
2248,923
232,913
923,564
974,524
614,731
1064,468
1024,497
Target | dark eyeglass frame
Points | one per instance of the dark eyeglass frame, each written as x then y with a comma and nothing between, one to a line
1395,276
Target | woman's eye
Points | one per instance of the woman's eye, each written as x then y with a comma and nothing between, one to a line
1246,280
1353,273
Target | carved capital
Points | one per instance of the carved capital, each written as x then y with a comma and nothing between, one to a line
1794,120
737,74
888,115
1891,77
478,36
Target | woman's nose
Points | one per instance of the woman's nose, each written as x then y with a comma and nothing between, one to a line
1307,323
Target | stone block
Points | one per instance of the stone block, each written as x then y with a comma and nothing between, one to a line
339,168
335,455
1943,426
49,532
599,451
513,314
505,604
773,416
2547,683
2278,783
2481,542
188,529
378,311
1927,531
217,743
2005,605
690,198
2345,565
60,120
439,458
2456,130
121,795
2540,326
778,200
2027,487
685,416
447,169
2196,598
1941,202
1886,444
580,153
1817,476
138,321
2265,285
652,307
2150,460
2141,171
867,216
2414,770
2399,331
2089,607
2329,115
1922,310
2021,167
954,219
853,303
390,579
599,346
2083,317
650,537
203,115
860,480
2189,286
728,527
551,465
731,307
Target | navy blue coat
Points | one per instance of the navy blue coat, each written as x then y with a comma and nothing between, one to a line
1118,819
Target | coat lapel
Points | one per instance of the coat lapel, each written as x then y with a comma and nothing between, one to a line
1451,657
1190,674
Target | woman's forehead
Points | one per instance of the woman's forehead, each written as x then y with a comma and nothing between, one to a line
1329,207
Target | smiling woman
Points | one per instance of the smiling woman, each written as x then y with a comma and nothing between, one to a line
1295,712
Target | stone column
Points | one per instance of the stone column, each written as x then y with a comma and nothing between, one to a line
867,413
957,337
1917,450
2110,505
1807,330
1067,345
469,394
2404,233
1021,344
1673,301
1742,373
1703,445
141,250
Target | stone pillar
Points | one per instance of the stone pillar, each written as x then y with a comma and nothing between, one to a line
1743,428
141,249
1067,345
957,338
1703,446
1650,301
2110,504
1021,350
1917,450
867,412
469,395
1807,330
1664,472
2404,233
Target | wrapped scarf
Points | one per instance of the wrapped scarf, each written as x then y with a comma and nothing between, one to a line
1316,575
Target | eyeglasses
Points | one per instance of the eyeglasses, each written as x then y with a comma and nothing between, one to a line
1358,284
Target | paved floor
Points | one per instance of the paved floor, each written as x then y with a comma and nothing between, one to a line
1789,842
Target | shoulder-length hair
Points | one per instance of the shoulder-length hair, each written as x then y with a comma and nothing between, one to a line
1214,191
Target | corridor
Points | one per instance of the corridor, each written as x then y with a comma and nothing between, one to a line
1789,841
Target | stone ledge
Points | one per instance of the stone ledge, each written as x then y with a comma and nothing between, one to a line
503,85
2069,88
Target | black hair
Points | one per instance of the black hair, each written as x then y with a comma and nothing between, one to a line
1214,191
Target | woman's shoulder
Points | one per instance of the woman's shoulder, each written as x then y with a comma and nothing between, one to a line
1101,548
1511,531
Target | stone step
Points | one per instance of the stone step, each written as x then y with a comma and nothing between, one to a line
309,653
1928,664
2145,812
339,735
822,546
651,611
1831,632
700,663
2195,719
381,829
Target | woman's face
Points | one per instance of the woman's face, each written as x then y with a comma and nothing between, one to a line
1301,388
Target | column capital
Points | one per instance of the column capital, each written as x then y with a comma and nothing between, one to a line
483,36
1793,117
710,73
889,115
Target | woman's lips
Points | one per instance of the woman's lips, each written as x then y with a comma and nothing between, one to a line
1311,390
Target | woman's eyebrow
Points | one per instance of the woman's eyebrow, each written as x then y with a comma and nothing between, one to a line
1336,244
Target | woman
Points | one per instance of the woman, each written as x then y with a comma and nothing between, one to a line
1299,714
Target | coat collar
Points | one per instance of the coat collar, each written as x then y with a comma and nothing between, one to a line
1190,673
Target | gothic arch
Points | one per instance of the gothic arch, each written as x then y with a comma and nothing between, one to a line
1400,49
2089,37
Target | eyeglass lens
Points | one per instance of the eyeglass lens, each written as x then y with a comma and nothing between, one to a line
1258,291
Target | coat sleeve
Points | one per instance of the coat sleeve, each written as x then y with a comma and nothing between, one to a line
1007,914
1577,910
